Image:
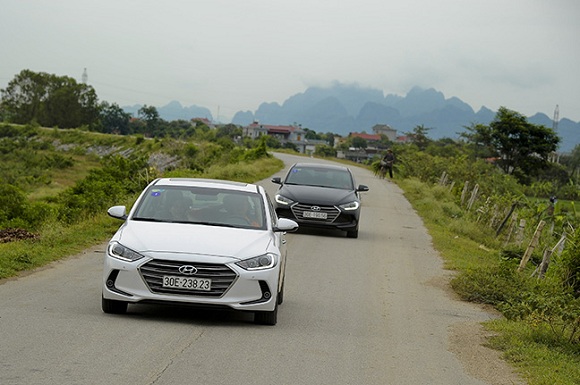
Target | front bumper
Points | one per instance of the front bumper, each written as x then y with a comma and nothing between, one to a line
343,221
244,290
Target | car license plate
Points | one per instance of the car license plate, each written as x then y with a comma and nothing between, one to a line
188,283
314,214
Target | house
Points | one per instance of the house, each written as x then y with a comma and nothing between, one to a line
293,134
370,138
385,129
207,122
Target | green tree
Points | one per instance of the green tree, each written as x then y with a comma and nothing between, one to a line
358,142
229,130
114,119
150,116
49,100
419,137
522,148
325,151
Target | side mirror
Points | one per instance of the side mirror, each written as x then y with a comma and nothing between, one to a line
285,224
277,180
118,212
362,187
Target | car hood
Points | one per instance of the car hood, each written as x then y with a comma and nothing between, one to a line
150,238
317,195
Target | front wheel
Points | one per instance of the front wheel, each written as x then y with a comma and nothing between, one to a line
267,317
110,306
352,234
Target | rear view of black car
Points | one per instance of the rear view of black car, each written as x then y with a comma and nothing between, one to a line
320,195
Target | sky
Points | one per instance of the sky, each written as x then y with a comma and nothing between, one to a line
233,55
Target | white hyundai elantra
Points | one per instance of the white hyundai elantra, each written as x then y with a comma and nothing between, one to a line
201,242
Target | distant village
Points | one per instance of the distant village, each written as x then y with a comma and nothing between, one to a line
295,135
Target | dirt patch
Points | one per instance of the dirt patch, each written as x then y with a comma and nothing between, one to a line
468,342
11,235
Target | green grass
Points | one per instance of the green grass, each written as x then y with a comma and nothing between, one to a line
57,241
538,354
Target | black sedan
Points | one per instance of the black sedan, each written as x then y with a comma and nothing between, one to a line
320,195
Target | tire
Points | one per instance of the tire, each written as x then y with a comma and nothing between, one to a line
280,297
267,317
110,306
352,234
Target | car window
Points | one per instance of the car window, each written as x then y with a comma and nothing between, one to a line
322,177
202,206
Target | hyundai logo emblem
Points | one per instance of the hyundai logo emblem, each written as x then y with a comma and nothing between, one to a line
187,270
315,208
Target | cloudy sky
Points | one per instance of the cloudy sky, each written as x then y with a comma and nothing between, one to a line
232,55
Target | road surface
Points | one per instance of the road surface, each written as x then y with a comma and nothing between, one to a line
372,310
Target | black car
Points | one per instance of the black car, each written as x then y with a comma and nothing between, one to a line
320,195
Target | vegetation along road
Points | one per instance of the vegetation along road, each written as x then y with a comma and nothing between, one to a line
372,310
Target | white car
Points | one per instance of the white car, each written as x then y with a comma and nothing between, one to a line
201,242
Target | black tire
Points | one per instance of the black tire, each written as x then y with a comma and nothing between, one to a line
110,306
280,297
266,317
352,234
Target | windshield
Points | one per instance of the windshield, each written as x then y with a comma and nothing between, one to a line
321,177
208,206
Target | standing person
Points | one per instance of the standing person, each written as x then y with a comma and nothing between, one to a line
389,159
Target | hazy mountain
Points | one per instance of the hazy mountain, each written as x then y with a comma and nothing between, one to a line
174,111
343,109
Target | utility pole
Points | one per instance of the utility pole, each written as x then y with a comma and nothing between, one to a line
85,77
556,118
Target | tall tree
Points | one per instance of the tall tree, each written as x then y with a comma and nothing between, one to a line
419,136
152,120
522,148
49,100
114,119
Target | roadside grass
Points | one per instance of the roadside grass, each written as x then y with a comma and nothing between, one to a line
65,178
473,252
57,240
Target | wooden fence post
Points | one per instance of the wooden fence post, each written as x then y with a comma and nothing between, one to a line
532,245
464,192
473,197
512,227
547,255
520,232
443,179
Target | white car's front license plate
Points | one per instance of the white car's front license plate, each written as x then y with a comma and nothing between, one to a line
188,283
314,214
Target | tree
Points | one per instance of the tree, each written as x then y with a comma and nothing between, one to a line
358,142
49,100
229,130
151,117
419,137
522,148
114,119
325,151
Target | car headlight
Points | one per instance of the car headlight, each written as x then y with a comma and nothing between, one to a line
281,199
117,250
350,206
261,262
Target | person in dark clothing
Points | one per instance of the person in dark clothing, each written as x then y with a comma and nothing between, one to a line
388,161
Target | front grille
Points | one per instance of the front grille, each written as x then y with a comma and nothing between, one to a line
222,277
331,212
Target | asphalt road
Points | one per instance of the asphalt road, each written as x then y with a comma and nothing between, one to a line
372,310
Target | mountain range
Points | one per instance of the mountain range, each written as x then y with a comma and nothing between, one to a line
342,109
